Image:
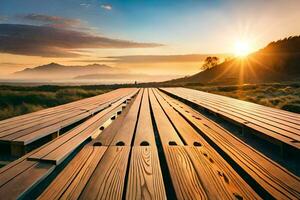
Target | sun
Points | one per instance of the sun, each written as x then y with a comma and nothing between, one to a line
242,48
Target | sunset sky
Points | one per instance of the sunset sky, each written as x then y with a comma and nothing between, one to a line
144,36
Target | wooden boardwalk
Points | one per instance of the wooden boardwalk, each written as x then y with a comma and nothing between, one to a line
275,125
146,144
22,131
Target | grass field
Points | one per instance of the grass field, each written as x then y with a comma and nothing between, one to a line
284,96
20,100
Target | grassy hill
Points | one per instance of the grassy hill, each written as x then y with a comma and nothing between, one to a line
278,61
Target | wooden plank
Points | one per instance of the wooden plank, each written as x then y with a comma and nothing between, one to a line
167,133
251,105
34,125
144,132
12,172
145,177
187,133
92,123
59,149
275,179
77,104
42,129
264,128
185,179
279,125
126,131
72,180
23,182
260,114
37,118
27,138
107,181
108,134
15,133
12,165
254,109
217,177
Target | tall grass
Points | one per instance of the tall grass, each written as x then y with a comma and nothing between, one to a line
21,100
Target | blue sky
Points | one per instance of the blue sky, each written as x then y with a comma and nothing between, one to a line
135,18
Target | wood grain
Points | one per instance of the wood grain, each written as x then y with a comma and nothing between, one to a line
145,178
217,177
144,130
285,127
107,181
208,163
275,179
185,179
126,130
165,129
71,181
23,182
29,128
59,149
107,135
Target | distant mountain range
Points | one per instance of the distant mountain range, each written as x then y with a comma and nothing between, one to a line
57,71
278,61
93,73
126,77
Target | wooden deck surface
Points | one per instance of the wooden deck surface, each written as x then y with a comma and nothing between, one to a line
277,125
146,144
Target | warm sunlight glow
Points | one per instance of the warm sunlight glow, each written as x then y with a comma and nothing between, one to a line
242,48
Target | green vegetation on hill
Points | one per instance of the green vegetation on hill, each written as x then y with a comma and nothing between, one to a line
21,100
284,96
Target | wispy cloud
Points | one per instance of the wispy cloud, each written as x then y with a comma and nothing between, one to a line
5,64
55,42
3,18
85,5
53,21
155,58
106,6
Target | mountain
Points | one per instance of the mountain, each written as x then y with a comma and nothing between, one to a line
278,61
57,71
